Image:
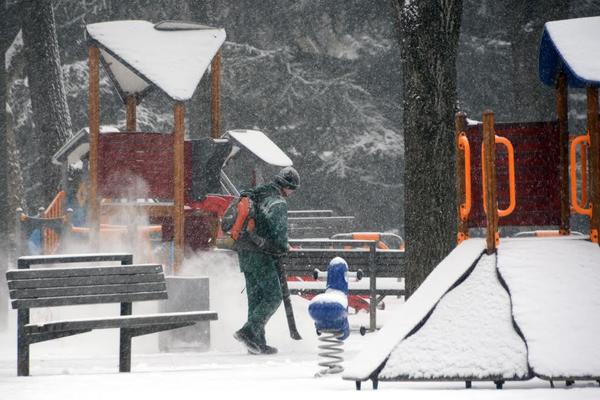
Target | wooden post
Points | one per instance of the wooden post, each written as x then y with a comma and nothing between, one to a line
94,127
562,112
215,96
460,126
178,179
592,126
131,113
489,166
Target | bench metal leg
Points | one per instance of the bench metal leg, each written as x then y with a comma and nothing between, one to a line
22,344
125,341
124,351
372,289
22,356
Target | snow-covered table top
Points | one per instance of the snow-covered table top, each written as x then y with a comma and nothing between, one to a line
574,45
138,55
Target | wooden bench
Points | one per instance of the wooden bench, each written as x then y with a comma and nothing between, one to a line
307,255
125,283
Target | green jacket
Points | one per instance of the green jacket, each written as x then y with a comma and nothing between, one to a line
271,220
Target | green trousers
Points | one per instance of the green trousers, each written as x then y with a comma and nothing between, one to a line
262,289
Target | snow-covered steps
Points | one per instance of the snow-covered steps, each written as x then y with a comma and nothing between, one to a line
554,285
469,336
378,346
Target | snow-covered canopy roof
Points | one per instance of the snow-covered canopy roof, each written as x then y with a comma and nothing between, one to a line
260,145
139,55
573,46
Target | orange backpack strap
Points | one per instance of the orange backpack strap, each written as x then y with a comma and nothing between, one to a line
243,211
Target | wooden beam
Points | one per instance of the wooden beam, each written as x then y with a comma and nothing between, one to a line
94,127
460,126
562,112
178,179
592,126
489,167
215,96
131,113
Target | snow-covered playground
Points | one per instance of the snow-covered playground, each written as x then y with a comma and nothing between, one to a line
466,328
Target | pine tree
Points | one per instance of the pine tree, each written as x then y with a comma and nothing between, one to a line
429,33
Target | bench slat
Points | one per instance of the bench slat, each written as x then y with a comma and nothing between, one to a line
93,299
25,261
87,290
84,281
37,273
359,292
128,321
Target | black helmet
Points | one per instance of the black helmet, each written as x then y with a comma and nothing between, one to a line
288,178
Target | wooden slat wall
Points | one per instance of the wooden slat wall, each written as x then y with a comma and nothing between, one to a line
124,158
537,170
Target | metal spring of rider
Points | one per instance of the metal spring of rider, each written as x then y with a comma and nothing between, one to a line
330,351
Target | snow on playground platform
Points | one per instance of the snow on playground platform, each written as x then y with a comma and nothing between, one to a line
418,306
555,289
468,336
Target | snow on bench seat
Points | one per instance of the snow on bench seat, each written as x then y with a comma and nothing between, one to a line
555,291
469,336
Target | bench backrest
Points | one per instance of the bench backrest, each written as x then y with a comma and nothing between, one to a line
50,287
318,253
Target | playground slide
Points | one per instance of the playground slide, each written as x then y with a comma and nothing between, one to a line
469,336
554,285
450,271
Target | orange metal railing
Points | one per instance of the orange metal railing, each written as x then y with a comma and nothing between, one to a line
582,141
511,177
51,239
463,144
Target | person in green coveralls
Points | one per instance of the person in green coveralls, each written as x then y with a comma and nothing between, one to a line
258,253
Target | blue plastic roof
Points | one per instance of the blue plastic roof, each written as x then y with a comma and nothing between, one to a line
572,45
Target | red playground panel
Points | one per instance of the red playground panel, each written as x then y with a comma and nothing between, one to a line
139,165
537,174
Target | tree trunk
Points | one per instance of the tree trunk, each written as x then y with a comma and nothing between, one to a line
429,33
48,101
4,212
16,191
531,101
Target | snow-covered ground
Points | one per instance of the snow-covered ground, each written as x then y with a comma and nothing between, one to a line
85,366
